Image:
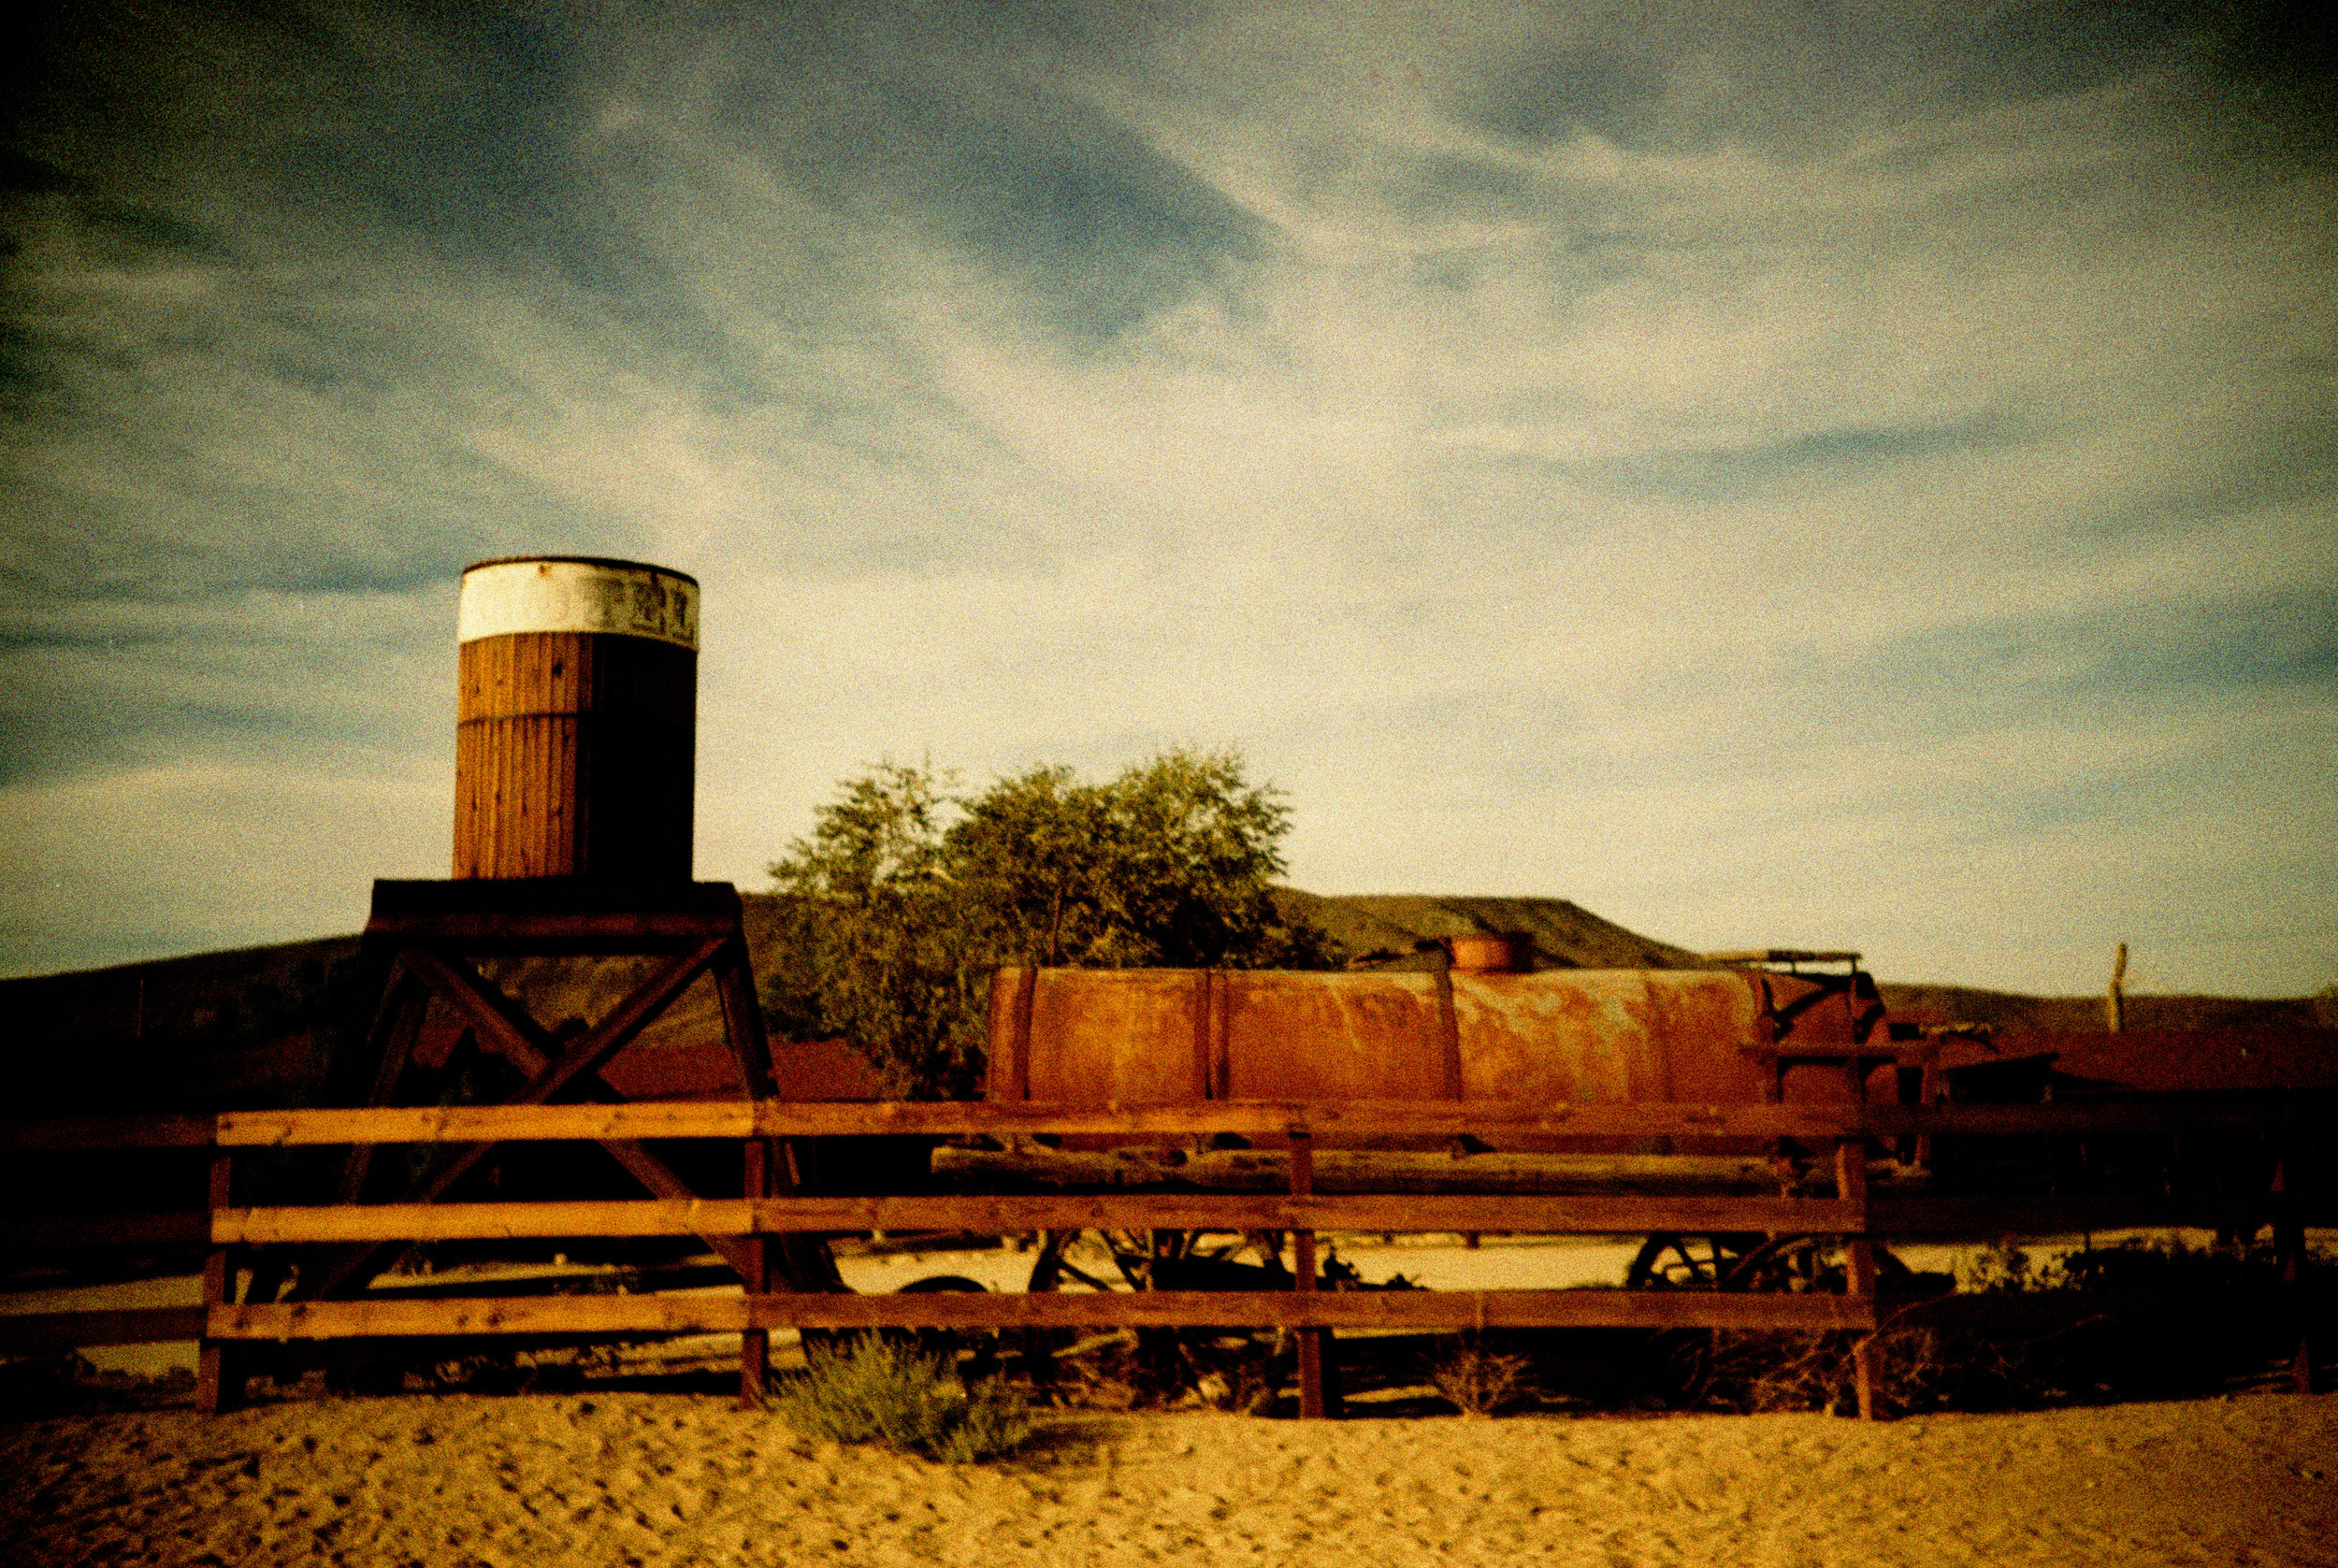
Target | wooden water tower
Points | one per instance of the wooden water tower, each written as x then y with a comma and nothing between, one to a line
576,731
575,743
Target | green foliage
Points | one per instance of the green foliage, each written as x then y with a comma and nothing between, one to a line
905,900
874,1390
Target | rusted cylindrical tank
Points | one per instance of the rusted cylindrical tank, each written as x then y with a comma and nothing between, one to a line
1585,1036
576,731
1504,952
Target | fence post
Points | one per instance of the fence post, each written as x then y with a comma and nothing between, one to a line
1850,1187
755,1345
1303,1244
2289,1249
218,1385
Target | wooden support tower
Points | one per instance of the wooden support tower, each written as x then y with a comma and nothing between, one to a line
430,938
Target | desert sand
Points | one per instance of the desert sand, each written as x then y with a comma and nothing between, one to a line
644,1478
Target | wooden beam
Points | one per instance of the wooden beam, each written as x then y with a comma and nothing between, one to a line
63,1232
109,1132
2020,1214
1427,1119
2305,1116
551,1070
29,1333
1322,1309
1005,1215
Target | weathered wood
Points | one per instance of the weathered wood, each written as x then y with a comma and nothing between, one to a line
1311,1346
2020,1213
2043,1312
1005,1215
30,1333
398,1024
755,1349
217,1387
551,1070
1851,1187
67,1233
74,1134
1429,1119
1029,1166
1322,1309
574,755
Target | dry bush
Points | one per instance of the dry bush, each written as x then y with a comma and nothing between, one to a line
874,1391
1477,1381
1162,1369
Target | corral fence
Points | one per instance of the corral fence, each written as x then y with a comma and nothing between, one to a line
2296,1130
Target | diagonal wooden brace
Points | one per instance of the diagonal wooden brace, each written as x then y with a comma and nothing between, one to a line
550,1069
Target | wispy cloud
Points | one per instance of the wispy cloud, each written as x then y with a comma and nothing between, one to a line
1855,474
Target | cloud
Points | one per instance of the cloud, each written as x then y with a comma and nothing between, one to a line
1751,470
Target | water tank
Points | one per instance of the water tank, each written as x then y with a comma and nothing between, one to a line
576,730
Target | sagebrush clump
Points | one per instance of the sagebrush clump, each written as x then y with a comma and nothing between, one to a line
1478,1381
874,1390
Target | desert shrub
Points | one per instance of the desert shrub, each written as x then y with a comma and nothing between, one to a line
1916,1370
1481,1381
874,1390
2100,1356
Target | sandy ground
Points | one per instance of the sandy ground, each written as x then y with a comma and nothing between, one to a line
671,1479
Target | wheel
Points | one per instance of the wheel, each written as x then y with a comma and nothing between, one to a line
1669,1261
1804,1264
1681,1360
1228,1368
973,1352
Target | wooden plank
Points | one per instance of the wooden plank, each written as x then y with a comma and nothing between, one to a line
550,1069
29,1333
2051,1311
1005,1214
2308,1116
191,1228
109,1132
1262,1118
559,932
1322,1309
2018,1213
465,1123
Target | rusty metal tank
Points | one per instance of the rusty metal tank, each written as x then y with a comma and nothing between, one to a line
1710,1036
577,722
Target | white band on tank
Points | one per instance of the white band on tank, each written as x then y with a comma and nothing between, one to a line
611,597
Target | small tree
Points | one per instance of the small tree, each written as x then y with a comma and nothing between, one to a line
899,916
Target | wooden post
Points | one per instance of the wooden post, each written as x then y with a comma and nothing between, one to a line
2290,1247
2114,999
1303,1244
217,1387
1850,1187
755,1345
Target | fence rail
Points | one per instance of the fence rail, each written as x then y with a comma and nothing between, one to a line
1322,1120
1852,1214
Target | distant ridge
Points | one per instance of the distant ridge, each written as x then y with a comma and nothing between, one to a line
1565,936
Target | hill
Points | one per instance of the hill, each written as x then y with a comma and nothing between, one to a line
1565,936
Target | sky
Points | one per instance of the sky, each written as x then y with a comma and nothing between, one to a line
1845,475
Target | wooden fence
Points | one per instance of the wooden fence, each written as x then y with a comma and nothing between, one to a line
1853,1214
